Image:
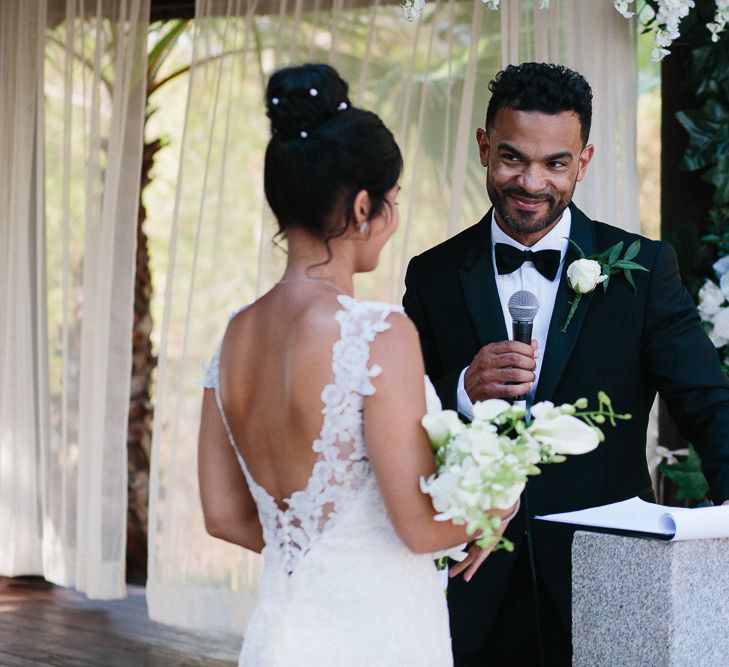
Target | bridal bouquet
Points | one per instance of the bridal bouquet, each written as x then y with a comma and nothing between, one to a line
484,465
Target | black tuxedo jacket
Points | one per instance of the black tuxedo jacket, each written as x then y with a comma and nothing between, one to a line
629,344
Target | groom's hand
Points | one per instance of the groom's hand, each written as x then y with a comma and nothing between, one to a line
501,370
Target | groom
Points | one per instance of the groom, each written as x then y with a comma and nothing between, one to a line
628,343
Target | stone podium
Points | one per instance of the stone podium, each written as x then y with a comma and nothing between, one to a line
649,603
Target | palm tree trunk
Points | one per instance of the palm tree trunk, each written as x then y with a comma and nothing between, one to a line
141,410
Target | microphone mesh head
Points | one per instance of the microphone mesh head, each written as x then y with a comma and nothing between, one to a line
523,306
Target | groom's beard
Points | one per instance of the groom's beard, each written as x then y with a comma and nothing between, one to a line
527,222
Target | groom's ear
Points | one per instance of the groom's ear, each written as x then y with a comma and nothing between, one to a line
584,160
482,139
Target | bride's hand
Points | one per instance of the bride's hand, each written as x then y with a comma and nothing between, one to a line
476,555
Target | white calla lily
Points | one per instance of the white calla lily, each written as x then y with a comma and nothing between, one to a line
565,434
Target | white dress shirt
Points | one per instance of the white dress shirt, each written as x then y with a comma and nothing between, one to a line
526,277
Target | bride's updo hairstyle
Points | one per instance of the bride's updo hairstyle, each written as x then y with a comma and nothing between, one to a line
323,151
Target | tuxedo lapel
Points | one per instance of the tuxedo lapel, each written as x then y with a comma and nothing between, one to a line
560,345
479,287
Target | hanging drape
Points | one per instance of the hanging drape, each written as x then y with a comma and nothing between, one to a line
23,364
428,81
72,96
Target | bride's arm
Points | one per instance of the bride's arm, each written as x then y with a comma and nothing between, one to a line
397,443
228,507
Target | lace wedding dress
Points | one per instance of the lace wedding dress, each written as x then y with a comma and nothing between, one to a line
339,588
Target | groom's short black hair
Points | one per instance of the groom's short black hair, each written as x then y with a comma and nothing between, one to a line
543,87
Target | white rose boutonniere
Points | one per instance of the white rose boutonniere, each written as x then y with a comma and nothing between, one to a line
586,273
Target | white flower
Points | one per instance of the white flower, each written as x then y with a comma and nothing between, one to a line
721,18
505,499
668,16
412,9
441,425
584,275
669,455
710,299
565,434
721,266
622,7
724,285
719,333
543,409
485,446
490,409
457,554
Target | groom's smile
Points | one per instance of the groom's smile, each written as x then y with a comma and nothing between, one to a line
534,160
527,203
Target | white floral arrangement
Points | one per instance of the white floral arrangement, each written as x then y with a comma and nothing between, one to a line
664,25
714,304
485,464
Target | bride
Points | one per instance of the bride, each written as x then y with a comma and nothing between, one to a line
310,447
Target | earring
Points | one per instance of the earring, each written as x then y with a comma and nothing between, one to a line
364,227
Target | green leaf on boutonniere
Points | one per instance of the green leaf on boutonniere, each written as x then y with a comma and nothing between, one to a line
584,274
615,264
632,250
625,264
614,253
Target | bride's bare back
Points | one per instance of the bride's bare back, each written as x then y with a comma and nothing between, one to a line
275,360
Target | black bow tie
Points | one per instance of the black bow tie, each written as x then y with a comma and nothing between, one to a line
509,259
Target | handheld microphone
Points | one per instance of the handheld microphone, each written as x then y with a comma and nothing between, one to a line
523,307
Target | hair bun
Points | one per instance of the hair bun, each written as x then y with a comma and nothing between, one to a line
299,98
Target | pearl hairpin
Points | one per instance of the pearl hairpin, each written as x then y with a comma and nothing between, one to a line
304,134
313,92
274,101
342,106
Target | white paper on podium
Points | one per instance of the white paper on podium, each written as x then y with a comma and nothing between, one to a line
636,515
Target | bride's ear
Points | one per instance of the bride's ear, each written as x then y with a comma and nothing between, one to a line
361,209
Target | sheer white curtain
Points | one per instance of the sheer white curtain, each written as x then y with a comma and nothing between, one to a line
71,140
23,365
428,81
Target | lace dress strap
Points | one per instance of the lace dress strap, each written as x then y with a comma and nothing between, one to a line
360,322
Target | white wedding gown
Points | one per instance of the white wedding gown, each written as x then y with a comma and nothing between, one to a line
339,588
